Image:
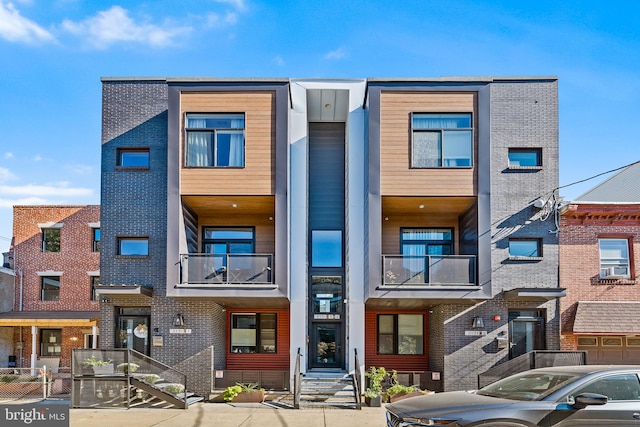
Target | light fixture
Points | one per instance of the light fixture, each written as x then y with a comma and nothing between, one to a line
421,207
327,106
74,338
477,322
233,205
178,320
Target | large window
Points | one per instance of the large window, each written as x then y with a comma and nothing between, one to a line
426,241
215,140
51,240
614,258
525,248
133,158
50,342
253,332
400,334
441,140
326,248
50,288
133,246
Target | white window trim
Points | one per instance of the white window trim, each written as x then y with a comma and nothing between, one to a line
94,224
49,273
50,224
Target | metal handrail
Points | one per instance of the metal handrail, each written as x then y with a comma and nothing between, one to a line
429,270
297,382
357,380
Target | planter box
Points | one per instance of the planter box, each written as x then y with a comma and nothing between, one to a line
249,397
103,370
374,402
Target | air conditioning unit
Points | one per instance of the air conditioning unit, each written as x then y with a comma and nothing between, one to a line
614,272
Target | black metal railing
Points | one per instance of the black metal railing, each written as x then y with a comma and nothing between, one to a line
297,382
532,360
429,270
357,386
226,269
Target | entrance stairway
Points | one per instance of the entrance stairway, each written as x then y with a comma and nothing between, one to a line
145,394
330,389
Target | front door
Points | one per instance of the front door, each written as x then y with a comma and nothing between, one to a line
326,346
133,329
526,332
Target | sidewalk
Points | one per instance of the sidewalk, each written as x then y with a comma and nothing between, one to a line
228,415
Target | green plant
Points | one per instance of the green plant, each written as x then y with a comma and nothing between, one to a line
7,379
152,378
396,387
376,377
174,388
94,361
233,390
128,367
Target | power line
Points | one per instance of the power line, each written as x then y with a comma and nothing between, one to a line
596,176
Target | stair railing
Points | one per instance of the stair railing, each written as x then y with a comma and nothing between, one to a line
297,380
357,380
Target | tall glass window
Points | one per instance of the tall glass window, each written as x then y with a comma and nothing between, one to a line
326,248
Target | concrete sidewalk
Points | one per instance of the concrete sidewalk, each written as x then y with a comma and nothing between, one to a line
228,415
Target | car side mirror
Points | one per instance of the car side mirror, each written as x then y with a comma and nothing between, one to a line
585,399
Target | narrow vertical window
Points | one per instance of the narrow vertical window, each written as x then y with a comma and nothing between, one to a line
51,240
96,240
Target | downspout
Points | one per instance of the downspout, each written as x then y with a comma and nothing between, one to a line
21,289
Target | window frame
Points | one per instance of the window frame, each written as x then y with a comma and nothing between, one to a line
57,335
260,331
46,242
95,239
95,281
396,335
43,280
603,261
522,150
442,141
215,132
124,239
426,243
123,151
539,246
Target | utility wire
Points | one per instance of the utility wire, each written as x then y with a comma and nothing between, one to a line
595,176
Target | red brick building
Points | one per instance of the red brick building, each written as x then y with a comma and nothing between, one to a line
57,264
599,267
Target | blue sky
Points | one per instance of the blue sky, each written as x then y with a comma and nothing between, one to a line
53,53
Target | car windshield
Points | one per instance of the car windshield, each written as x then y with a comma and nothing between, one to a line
527,385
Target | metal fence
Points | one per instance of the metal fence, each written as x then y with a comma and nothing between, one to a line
34,383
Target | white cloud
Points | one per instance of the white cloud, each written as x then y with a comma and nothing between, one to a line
16,28
6,175
238,4
8,155
50,190
79,169
116,26
37,158
336,54
9,203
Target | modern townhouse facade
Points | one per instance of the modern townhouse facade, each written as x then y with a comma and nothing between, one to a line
599,261
246,221
56,265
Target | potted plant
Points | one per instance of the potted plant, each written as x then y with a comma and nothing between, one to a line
127,368
244,393
173,388
100,367
373,393
399,391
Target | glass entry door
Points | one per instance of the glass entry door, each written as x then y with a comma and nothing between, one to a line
326,346
133,330
526,333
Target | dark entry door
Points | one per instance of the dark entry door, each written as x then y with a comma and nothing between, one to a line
133,332
526,333
326,346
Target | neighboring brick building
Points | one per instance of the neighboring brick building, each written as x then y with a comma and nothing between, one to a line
392,217
56,260
599,267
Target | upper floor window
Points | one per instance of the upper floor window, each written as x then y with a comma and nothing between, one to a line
525,248
51,240
441,140
133,157
215,140
96,240
326,248
133,246
426,241
614,258
525,158
50,288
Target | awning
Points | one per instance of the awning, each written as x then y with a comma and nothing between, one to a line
610,317
124,290
49,318
534,294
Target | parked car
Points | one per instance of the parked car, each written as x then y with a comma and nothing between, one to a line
591,395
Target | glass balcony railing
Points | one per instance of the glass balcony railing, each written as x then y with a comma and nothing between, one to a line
429,270
228,269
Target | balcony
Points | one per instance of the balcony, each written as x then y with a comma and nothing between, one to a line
226,270
429,270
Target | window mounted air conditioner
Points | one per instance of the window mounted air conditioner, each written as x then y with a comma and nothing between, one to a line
614,272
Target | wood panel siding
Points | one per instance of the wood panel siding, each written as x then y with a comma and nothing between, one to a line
257,177
262,361
396,175
404,362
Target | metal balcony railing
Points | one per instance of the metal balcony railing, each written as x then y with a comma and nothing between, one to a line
226,269
429,270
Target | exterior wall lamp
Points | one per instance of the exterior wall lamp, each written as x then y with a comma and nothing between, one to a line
178,320
477,322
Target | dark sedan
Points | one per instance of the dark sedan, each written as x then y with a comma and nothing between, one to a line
578,396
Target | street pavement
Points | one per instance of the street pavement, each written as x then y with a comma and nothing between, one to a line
229,415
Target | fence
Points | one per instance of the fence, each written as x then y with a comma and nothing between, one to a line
34,383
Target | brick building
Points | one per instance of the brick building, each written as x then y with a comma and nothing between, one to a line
56,263
599,267
245,221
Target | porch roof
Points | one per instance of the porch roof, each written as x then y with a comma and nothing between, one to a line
607,317
49,318
124,289
533,294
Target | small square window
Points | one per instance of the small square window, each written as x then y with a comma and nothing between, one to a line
133,158
588,341
51,240
133,246
525,248
525,158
